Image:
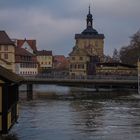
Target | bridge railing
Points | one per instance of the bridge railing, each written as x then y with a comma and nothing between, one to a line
95,77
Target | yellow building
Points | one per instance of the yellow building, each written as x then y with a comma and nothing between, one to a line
90,39
116,69
88,50
79,59
7,51
45,60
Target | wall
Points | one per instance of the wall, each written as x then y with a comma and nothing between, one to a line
97,45
11,55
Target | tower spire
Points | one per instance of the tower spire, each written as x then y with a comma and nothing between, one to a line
89,19
89,10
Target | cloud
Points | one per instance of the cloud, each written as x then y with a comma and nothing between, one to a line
38,24
54,23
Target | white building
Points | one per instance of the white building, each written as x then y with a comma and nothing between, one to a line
25,63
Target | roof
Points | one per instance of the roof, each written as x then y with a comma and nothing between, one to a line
31,43
59,58
44,52
4,39
89,36
79,51
22,51
8,76
90,31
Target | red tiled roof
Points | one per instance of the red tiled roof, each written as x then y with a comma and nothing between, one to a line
62,66
44,52
31,43
4,39
22,51
59,58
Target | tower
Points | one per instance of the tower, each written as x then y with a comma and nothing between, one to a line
88,50
90,39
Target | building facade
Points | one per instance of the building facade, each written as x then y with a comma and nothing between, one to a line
7,51
60,66
88,50
26,63
45,60
27,44
79,59
116,69
58,60
90,39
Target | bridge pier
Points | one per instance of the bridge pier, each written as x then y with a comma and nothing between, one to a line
29,91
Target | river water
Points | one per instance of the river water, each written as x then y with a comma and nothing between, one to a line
45,118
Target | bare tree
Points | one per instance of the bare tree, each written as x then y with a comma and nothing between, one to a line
115,56
130,54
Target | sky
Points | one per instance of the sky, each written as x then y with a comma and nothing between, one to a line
54,23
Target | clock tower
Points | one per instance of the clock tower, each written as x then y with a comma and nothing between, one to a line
90,39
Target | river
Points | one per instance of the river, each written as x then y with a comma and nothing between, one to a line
45,118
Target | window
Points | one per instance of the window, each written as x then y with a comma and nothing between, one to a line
81,58
71,66
6,48
73,58
6,56
79,66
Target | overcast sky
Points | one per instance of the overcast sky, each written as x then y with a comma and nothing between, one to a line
53,23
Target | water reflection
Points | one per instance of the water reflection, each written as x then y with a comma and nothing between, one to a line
102,118
88,113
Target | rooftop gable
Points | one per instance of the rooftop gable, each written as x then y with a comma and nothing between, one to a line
79,51
22,51
31,43
4,39
44,53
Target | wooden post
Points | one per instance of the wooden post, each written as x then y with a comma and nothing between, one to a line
5,108
29,91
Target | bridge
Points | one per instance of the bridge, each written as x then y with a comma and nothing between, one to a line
96,82
109,81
